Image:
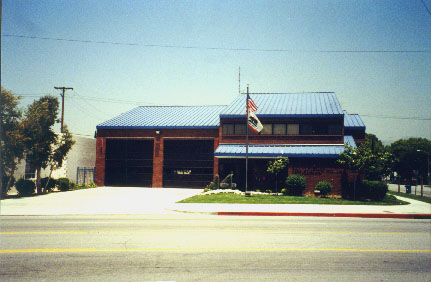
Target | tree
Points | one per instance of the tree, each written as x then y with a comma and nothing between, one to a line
374,143
411,157
62,146
375,165
40,117
12,136
276,166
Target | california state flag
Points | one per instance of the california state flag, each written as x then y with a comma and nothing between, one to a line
253,122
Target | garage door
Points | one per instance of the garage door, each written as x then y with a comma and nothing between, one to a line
188,163
129,162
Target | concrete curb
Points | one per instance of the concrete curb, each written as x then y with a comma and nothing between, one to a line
358,215
361,215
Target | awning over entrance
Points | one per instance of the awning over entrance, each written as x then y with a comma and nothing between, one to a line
273,151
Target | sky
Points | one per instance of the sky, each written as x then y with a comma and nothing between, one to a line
375,55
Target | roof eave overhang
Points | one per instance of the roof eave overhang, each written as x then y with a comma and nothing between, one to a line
287,116
157,127
272,156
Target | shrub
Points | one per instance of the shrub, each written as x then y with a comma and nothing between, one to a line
51,183
295,185
374,190
63,184
217,181
211,186
324,187
25,187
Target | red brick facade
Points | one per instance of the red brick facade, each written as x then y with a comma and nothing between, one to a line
313,169
163,134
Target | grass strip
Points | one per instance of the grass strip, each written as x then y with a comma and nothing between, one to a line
411,196
230,198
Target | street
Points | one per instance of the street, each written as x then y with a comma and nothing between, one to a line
181,247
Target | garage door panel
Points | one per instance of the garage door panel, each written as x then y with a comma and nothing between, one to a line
188,163
129,162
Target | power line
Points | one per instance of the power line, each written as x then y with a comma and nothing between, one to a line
212,48
396,117
428,10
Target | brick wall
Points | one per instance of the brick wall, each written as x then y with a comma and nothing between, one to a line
315,170
158,162
100,161
171,134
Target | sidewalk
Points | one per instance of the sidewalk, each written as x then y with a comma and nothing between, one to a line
138,200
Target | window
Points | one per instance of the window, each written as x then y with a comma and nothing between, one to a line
293,129
334,129
240,129
30,172
267,129
228,129
306,129
279,128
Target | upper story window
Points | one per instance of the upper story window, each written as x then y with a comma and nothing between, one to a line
284,129
293,129
267,129
279,129
306,129
228,129
334,129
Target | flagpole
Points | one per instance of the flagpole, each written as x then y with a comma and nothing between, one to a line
246,146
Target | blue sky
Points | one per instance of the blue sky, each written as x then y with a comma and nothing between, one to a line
391,90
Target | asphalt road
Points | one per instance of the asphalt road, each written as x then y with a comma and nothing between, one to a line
213,248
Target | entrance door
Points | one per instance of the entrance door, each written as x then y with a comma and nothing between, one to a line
188,163
129,162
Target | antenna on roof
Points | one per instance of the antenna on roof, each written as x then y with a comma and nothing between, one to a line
239,80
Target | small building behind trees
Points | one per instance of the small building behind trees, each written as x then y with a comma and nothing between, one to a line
80,159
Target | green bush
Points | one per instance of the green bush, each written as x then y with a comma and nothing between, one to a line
374,190
217,181
63,184
51,183
72,185
295,185
324,187
211,186
25,187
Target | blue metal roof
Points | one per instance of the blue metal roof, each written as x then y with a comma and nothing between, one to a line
348,139
178,117
353,121
287,105
274,151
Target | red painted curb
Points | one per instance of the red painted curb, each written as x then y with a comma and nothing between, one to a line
362,215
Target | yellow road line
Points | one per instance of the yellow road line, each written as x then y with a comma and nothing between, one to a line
200,231
205,250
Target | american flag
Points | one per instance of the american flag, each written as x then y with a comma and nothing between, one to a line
251,105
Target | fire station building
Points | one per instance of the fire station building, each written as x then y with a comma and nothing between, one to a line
186,146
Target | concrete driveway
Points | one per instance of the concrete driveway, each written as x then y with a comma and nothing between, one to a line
101,200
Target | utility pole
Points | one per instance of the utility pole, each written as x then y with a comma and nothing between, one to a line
62,102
